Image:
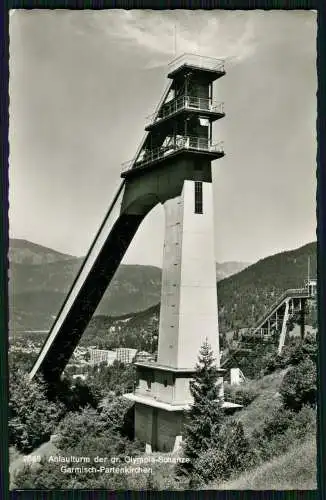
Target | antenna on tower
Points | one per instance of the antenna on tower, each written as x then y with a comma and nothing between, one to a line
175,40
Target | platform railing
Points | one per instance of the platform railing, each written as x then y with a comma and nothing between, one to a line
182,142
185,102
260,332
233,398
203,62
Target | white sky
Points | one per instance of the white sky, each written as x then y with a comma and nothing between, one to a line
82,83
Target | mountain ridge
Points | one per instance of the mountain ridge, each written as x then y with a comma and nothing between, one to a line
36,291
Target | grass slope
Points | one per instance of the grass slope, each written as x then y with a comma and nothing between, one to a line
294,470
252,417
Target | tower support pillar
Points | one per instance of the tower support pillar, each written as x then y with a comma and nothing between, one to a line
284,326
188,317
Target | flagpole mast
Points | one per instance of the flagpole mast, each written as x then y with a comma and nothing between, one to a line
175,40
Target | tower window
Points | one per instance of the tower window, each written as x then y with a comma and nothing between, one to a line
198,197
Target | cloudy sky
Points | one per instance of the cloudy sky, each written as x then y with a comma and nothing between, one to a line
82,84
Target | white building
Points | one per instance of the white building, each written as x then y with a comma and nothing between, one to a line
98,356
125,354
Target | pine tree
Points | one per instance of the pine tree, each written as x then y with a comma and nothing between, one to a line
205,417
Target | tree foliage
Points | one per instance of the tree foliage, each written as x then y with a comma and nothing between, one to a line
205,417
299,386
231,455
32,417
74,394
94,422
117,378
89,433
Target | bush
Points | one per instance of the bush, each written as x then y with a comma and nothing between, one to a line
118,415
294,353
282,428
304,422
75,395
253,362
91,422
299,386
205,416
210,465
32,417
85,434
219,462
278,422
239,394
235,445
48,475
76,425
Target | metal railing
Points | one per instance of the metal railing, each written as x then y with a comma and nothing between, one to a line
175,144
185,102
233,398
260,333
203,62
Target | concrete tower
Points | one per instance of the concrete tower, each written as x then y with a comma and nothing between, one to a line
172,167
189,312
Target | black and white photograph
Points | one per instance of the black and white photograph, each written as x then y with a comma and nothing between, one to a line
163,326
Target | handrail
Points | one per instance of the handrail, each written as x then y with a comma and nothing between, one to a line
233,398
175,144
141,144
257,332
185,102
204,62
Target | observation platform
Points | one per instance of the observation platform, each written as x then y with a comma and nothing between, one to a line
176,108
181,145
210,68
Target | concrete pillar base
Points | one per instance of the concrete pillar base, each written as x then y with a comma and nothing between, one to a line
148,448
177,443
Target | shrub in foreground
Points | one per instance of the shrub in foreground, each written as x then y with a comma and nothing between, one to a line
299,386
32,417
205,417
240,394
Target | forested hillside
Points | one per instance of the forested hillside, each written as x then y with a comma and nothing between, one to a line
244,297
40,279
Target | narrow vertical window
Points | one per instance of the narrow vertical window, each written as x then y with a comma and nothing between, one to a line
198,197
